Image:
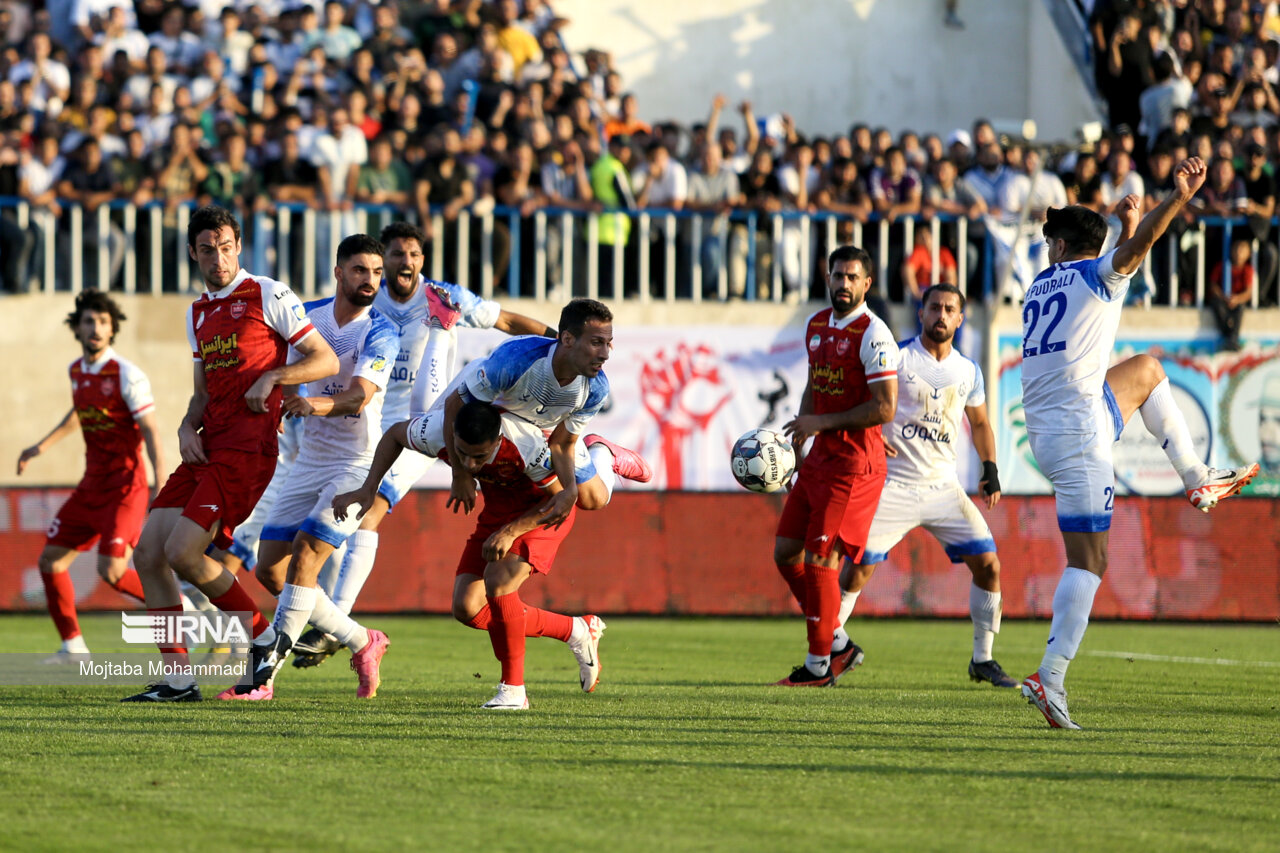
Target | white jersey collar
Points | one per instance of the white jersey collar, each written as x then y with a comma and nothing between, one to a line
844,322
94,367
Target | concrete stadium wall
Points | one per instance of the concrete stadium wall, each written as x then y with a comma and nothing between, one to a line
830,63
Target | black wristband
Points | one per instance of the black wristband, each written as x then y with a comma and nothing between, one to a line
991,478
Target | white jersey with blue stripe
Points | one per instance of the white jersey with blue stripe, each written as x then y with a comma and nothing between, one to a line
410,318
366,348
1069,322
932,397
517,378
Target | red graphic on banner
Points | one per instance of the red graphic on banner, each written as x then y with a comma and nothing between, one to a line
683,391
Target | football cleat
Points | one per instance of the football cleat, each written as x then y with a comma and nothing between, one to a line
314,648
626,463
441,310
510,697
63,657
162,692
264,663
1219,484
850,657
991,672
1052,703
587,651
802,676
366,662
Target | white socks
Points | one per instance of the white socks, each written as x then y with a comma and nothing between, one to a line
984,609
1164,420
362,547
603,459
847,600
433,371
294,610
328,618
1072,603
76,645
818,664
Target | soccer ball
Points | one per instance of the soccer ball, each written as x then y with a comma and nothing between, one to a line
763,460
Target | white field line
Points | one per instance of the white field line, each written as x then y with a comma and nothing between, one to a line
1182,659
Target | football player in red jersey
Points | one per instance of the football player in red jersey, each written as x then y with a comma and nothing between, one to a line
240,331
512,540
852,390
112,405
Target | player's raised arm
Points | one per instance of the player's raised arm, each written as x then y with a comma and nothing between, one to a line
1188,177
1129,210
70,423
392,442
518,324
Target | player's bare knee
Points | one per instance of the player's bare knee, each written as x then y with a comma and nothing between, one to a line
1152,373
787,554
985,569
592,495
272,581
308,557
112,570
51,564
854,576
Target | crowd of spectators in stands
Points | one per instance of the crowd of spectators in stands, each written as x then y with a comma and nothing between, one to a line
449,105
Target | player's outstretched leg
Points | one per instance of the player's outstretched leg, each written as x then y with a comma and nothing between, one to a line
620,460
1140,383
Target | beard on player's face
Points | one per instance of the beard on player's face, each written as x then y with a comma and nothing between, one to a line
939,333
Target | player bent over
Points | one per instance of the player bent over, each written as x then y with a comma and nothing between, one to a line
427,314
511,541
937,384
852,389
337,444
111,402
1076,408
240,331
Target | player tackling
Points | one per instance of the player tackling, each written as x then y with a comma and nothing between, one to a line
937,385
852,390
1076,408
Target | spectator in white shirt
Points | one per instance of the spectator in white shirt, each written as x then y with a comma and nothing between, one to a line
50,79
664,182
338,155
119,35
1158,102
139,86
182,49
230,41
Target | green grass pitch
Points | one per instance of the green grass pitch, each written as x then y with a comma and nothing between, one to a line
681,747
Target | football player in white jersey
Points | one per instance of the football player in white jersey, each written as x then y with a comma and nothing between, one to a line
344,423
427,314
1076,408
937,385
558,386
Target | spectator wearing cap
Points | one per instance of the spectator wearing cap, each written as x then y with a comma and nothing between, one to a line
960,149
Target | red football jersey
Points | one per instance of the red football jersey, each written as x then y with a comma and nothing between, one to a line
239,333
109,395
845,357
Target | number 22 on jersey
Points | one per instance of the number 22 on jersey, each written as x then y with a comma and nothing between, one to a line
1051,310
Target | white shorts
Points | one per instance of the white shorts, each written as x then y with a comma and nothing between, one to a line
244,543
945,511
305,504
1079,466
407,470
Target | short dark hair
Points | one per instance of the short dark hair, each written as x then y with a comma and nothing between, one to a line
99,303
1083,229
477,422
943,288
574,316
849,254
403,231
211,218
358,244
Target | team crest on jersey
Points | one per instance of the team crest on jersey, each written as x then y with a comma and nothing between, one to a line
108,386
842,347
299,312
815,342
237,309
378,363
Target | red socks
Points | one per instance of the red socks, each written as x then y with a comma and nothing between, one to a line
506,634
822,591
171,654
61,598
130,584
793,574
537,623
236,600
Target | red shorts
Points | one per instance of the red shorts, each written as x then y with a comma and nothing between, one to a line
224,490
113,520
537,547
825,507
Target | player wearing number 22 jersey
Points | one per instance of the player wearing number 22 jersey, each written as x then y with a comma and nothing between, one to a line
852,390
1076,406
